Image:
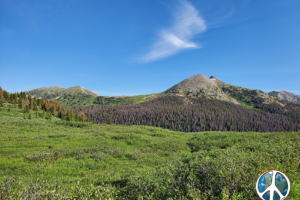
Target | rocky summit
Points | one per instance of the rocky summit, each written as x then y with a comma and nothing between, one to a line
200,86
288,96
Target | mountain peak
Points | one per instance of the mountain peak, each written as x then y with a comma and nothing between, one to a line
200,86
75,87
59,92
288,96
79,89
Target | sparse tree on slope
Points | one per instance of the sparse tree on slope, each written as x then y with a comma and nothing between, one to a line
20,103
6,95
30,103
11,98
1,94
15,98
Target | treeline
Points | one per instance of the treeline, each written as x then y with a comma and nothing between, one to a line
49,108
289,110
192,115
245,95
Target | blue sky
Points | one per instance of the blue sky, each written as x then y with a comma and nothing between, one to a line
132,47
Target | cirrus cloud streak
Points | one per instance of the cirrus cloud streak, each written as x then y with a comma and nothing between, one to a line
187,23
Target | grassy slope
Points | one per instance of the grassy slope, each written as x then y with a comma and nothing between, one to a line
146,156
245,104
104,101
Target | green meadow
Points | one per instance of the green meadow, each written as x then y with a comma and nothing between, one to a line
54,159
72,101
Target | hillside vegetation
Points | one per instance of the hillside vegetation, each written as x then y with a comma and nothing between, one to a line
198,86
67,96
198,114
58,92
104,100
288,96
53,159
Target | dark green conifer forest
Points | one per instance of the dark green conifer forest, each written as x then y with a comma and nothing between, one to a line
199,114
169,147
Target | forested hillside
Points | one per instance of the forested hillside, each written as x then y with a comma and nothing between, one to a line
50,152
47,108
198,114
198,86
47,158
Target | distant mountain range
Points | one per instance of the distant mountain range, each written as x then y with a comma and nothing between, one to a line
58,92
67,96
288,96
195,104
198,86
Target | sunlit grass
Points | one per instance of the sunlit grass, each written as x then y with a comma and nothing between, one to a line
133,161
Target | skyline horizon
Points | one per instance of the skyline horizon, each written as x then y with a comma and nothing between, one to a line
97,92
143,47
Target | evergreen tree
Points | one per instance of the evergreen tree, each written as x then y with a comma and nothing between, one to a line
1,103
80,119
20,103
15,97
27,109
1,94
35,105
23,96
95,122
63,116
71,115
109,121
49,115
6,95
76,116
30,103
11,98
68,116
29,116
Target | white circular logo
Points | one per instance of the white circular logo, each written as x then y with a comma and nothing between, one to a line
273,185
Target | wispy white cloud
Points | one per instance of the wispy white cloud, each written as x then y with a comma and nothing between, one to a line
187,23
